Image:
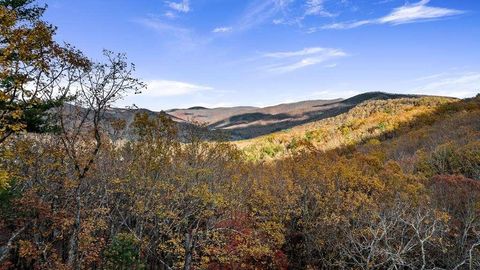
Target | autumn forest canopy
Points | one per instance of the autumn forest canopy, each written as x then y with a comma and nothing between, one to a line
379,181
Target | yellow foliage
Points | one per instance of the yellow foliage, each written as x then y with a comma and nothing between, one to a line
368,121
4,179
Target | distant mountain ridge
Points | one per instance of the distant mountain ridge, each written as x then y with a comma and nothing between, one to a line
244,122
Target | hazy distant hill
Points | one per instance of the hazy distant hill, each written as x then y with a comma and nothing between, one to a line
250,122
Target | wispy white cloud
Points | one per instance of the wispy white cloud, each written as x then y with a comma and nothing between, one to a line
170,15
316,7
432,77
284,68
417,12
294,60
278,21
295,15
183,6
304,52
177,37
166,88
348,25
381,2
331,65
261,11
223,29
408,13
284,12
161,26
464,84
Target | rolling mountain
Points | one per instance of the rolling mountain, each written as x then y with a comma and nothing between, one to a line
250,122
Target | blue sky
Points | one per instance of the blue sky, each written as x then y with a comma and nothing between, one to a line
262,52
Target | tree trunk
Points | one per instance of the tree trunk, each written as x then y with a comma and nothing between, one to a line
73,245
187,265
5,250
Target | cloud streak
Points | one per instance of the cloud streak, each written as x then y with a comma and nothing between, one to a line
295,60
223,29
183,6
462,85
261,11
409,13
304,52
166,88
176,37
282,12
316,7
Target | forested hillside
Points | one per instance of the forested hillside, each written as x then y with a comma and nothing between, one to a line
388,184
240,123
366,121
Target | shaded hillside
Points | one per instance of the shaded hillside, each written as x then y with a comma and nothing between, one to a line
250,122
240,123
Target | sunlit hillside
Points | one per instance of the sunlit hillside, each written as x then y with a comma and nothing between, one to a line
366,122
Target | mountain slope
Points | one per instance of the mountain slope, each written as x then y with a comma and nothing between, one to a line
251,122
368,120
